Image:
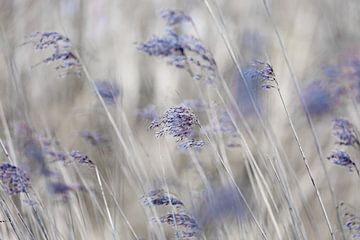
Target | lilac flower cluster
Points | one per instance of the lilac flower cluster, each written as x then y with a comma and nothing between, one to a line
182,51
13,179
345,132
264,73
351,221
193,144
178,122
60,45
346,135
186,226
49,39
174,17
160,197
81,158
109,91
341,158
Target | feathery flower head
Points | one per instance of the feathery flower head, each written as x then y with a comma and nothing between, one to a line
81,158
174,17
44,40
61,55
351,220
160,197
177,122
109,91
184,52
345,132
13,179
191,144
65,59
188,225
341,158
264,73
168,46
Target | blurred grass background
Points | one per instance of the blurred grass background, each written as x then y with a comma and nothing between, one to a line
104,34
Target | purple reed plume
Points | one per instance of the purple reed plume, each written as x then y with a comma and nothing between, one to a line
81,158
13,179
351,220
174,17
109,91
60,45
191,144
177,122
341,158
160,197
44,40
93,137
264,73
345,132
184,52
186,224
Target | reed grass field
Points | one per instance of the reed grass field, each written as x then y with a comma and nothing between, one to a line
201,119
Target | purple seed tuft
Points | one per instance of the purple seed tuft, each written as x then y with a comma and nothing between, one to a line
341,158
13,179
345,132
160,197
177,122
81,158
